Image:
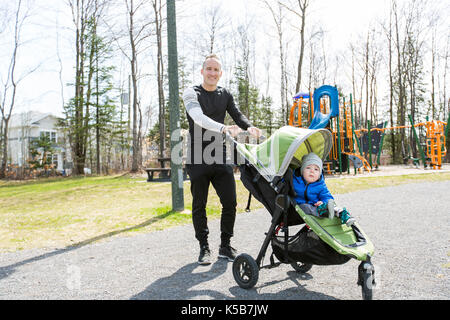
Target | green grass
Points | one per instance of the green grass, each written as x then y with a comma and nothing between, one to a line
71,211
62,212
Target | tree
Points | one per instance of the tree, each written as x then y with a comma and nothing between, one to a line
265,119
155,132
85,16
214,23
157,8
401,118
258,110
11,79
247,95
315,62
391,86
278,17
242,72
303,6
41,151
138,32
416,35
184,82
108,125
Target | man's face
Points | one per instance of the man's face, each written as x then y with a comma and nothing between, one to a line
211,72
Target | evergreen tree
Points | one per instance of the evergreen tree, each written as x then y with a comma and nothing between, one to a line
154,133
41,151
266,116
245,95
91,116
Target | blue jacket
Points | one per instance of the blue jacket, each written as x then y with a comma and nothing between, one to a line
312,192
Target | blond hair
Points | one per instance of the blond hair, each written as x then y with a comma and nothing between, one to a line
211,56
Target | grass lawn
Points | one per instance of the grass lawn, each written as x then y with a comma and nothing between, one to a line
61,212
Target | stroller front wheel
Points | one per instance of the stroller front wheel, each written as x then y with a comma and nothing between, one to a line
301,267
366,280
245,271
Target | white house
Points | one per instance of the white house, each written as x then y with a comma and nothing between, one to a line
28,126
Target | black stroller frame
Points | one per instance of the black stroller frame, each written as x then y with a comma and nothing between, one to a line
248,277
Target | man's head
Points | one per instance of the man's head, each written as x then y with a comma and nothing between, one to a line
311,168
211,72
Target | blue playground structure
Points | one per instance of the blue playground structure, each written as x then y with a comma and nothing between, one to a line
323,113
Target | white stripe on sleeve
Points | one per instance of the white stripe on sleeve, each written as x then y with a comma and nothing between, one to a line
196,113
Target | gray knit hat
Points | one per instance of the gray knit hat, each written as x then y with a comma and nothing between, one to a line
311,158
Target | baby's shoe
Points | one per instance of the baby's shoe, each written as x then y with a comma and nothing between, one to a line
322,210
331,205
346,217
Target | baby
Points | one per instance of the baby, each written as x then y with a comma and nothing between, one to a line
313,196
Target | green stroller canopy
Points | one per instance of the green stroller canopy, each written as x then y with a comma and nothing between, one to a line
286,147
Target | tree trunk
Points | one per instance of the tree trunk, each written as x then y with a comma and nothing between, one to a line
10,81
5,148
366,71
391,89
97,116
136,149
160,78
401,97
303,4
79,150
433,54
278,23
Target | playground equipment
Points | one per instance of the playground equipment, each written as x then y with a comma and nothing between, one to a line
359,146
320,112
434,142
436,149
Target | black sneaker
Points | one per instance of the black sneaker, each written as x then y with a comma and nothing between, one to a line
205,255
227,252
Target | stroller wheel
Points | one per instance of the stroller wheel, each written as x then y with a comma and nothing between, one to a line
301,267
366,280
245,271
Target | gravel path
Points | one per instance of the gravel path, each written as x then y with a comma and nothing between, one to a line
408,224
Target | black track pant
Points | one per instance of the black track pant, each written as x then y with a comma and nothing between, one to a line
222,178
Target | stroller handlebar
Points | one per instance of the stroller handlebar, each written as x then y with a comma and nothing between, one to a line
229,137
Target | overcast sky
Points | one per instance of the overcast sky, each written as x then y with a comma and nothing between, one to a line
342,20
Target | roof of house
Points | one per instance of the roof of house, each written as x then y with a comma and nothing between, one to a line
30,118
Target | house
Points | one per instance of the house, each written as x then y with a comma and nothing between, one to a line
28,126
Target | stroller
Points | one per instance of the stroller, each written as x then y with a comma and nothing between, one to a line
267,171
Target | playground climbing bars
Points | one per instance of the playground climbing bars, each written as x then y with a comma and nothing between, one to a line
339,120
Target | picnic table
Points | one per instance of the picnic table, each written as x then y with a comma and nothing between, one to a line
164,171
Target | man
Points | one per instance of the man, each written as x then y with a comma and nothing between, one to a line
206,106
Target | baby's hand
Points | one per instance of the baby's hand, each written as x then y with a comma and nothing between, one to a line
318,203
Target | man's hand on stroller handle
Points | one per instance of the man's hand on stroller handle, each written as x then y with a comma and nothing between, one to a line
254,131
233,130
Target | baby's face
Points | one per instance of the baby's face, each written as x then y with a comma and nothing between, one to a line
311,173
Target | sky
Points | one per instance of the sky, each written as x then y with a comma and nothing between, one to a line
340,20
41,91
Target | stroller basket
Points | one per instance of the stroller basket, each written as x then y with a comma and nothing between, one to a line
307,248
